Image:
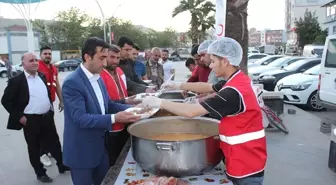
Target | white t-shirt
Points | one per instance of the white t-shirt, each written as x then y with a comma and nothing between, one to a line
167,67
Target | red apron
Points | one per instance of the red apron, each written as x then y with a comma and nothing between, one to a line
113,90
51,76
242,135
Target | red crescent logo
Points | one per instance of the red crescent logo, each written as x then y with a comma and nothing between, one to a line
222,31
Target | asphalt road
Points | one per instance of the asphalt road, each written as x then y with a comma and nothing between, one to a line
300,157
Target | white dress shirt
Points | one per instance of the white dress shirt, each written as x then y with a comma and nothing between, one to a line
39,102
93,78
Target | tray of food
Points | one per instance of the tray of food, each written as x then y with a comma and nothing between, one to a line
143,112
142,96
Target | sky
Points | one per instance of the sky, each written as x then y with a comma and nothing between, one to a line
156,14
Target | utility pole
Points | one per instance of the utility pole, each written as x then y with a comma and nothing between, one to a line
103,17
109,24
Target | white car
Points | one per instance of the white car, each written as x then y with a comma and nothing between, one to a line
275,65
301,88
252,57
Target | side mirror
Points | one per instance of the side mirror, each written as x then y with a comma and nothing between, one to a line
282,67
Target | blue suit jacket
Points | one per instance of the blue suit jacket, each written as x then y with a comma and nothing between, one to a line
84,124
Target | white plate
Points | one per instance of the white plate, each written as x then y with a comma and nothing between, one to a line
141,95
151,86
147,81
143,116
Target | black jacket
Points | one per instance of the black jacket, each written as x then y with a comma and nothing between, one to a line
16,98
134,84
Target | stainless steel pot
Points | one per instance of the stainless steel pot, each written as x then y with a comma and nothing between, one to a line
175,95
176,158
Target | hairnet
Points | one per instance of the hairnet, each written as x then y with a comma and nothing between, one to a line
227,48
203,47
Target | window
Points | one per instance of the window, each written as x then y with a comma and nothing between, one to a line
334,29
309,65
331,54
314,70
256,56
1,65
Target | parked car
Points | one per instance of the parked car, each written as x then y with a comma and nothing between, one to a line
3,69
264,61
312,50
269,79
67,65
327,82
276,64
19,68
301,88
252,57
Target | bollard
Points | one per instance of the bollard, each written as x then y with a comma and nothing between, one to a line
326,126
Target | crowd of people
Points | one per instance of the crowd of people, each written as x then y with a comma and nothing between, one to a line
95,96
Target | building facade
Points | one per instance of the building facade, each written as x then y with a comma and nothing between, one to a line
330,17
14,42
266,37
294,9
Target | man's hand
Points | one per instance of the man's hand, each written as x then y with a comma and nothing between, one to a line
132,101
126,117
60,106
149,90
23,120
151,102
184,94
171,85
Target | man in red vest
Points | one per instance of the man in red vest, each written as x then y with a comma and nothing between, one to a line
116,85
241,131
51,74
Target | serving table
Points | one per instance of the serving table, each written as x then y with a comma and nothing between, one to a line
126,170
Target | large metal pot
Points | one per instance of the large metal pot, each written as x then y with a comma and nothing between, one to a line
175,95
176,158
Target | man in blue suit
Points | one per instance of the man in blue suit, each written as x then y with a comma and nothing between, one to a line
88,113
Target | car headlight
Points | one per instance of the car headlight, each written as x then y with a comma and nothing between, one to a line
301,87
267,77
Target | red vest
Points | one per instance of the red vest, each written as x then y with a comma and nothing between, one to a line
113,90
51,75
242,135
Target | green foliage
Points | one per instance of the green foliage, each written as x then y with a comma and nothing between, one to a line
70,28
308,29
202,18
320,39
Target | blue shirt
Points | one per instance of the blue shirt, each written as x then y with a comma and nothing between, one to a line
140,69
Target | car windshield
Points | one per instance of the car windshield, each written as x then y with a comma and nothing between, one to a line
318,52
264,59
294,66
279,62
59,62
313,71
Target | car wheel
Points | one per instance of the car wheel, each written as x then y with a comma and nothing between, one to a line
3,74
312,102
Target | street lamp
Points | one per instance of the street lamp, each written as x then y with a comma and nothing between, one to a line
103,17
109,25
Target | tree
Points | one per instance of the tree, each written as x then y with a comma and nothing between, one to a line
307,28
320,39
199,10
67,30
206,20
42,28
236,26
